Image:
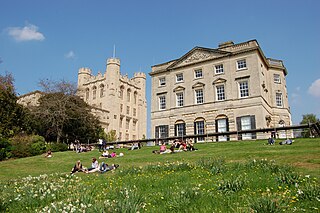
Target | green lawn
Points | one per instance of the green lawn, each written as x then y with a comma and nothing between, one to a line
246,176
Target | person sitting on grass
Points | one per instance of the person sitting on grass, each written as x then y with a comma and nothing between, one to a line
190,146
48,154
105,154
77,168
94,166
105,167
163,149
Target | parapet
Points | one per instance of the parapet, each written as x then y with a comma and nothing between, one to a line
139,75
113,61
85,70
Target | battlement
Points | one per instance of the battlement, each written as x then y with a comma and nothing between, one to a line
139,75
85,70
113,61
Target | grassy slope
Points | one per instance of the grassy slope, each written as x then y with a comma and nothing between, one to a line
304,154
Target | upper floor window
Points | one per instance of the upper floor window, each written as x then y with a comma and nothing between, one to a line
220,93
128,110
128,95
135,94
276,78
162,102
121,92
279,99
134,124
162,81
199,96
87,93
179,77
134,112
121,108
101,90
127,123
243,89
179,99
198,73
219,69
241,64
94,92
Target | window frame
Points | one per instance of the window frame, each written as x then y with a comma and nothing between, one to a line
220,68
179,80
276,78
242,64
218,95
162,81
241,90
279,99
197,97
180,100
162,102
196,71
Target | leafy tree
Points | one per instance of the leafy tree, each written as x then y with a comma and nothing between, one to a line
63,115
112,136
306,119
11,113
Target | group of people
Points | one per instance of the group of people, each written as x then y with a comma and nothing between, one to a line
271,141
95,167
176,146
113,154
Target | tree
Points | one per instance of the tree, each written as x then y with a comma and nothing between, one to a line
63,115
112,136
306,119
11,113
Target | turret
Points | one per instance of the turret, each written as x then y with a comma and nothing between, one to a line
113,69
140,79
84,75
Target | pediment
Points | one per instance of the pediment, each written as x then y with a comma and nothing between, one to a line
198,84
197,55
178,88
219,81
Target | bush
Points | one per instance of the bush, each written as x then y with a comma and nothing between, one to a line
5,148
57,147
27,145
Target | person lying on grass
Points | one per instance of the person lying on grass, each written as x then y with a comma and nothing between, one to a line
105,167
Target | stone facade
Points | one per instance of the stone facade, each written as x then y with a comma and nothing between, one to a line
233,87
119,102
30,99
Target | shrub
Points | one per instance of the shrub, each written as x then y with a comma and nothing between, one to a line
27,145
5,148
57,147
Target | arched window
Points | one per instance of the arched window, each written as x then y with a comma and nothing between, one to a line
128,95
87,94
222,125
101,90
121,92
135,96
94,92
199,128
180,128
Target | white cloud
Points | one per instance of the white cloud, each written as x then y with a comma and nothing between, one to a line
295,96
314,89
26,33
70,55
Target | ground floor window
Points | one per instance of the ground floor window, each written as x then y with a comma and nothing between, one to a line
199,129
222,125
180,129
246,123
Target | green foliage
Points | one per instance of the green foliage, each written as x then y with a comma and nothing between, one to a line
11,114
306,119
266,204
112,136
27,145
57,147
5,149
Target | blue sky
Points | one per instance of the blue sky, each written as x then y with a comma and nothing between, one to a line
42,39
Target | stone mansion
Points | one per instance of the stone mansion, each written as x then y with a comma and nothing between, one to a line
230,88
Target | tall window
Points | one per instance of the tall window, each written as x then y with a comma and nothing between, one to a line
220,92
87,94
121,92
241,64
134,125
134,112
199,129
121,108
128,95
162,131
128,110
219,69
135,94
279,99
179,97
222,126
120,122
246,123
162,81
94,92
198,73
244,89
101,90
180,129
199,96
276,78
162,102
179,77
127,123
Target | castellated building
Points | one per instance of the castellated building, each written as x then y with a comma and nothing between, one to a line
118,102
233,87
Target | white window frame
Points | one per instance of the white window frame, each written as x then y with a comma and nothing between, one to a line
179,77
220,92
180,129
198,73
179,99
199,96
279,101
276,78
162,102
218,69
243,92
200,129
162,81
241,64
